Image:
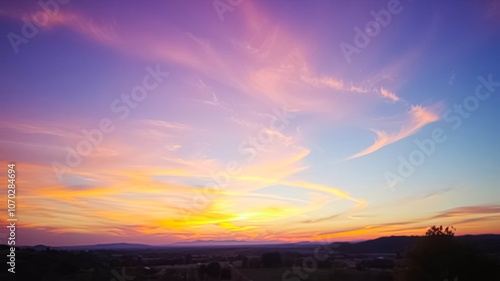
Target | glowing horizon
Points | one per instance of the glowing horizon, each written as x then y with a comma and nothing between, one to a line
282,121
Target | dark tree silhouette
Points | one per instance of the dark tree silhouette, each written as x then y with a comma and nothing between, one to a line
213,269
439,231
440,256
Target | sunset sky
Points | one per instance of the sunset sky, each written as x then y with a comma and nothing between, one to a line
268,121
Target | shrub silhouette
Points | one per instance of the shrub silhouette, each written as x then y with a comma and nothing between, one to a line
213,269
440,256
439,231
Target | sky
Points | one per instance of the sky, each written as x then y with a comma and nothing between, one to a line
266,121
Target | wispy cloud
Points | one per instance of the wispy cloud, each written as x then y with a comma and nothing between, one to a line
164,124
388,95
333,83
102,32
469,210
417,118
38,128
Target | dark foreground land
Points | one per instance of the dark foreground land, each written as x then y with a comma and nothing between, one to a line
389,258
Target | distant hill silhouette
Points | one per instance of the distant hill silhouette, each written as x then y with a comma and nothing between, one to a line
209,243
391,244
402,244
112,246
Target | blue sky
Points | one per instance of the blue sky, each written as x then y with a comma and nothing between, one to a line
249,120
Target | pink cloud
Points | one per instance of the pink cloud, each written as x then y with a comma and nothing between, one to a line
388,95
418,117
262,66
